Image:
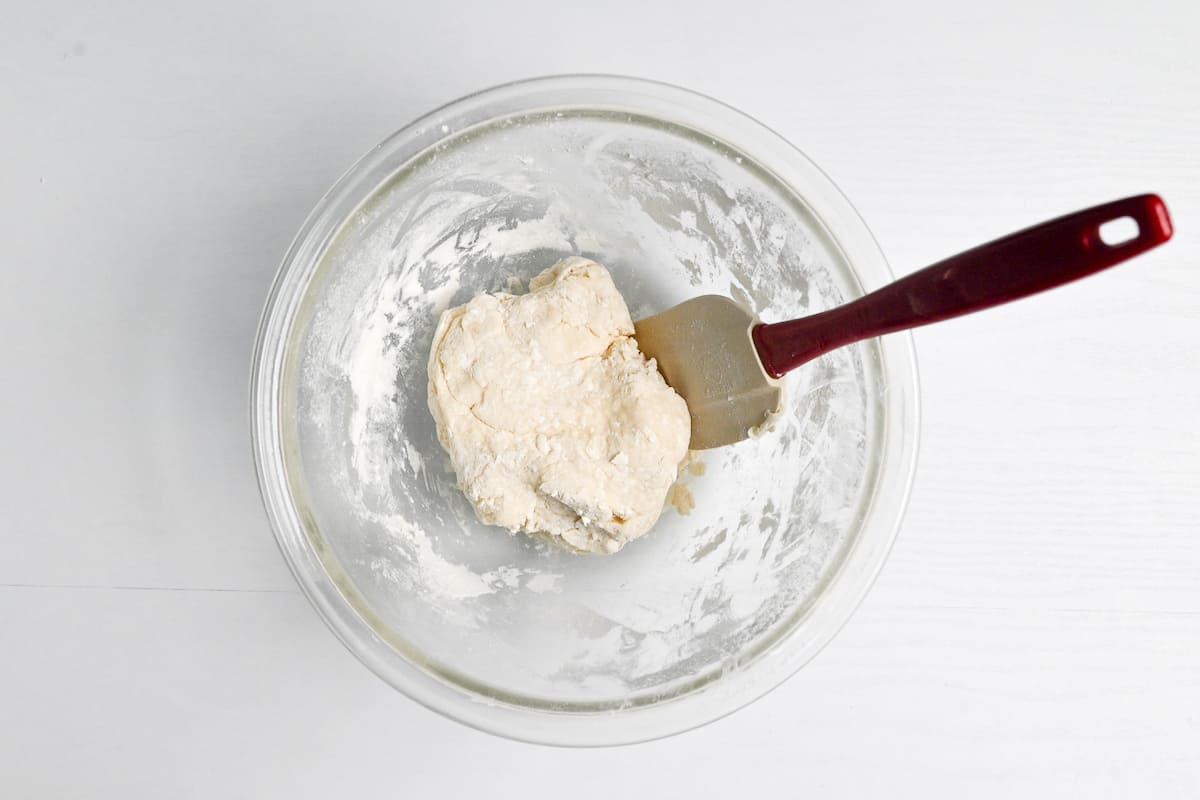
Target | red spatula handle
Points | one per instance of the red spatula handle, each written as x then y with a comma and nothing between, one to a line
1018,265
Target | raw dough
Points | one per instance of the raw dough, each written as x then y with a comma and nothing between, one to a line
554,420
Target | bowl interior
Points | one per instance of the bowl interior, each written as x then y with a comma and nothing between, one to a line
756,532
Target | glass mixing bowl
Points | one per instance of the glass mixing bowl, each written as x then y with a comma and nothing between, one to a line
769,544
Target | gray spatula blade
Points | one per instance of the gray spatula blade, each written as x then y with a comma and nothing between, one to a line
704,350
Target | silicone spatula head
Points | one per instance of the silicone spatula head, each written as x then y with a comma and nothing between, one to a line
704,349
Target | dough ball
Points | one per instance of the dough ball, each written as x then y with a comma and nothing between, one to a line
554,420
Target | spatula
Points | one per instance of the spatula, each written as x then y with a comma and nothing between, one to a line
726,364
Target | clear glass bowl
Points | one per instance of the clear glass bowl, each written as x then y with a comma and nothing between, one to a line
678,195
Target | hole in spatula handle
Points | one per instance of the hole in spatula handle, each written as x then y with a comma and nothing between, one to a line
1117,232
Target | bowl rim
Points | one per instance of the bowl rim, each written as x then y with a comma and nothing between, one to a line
846,589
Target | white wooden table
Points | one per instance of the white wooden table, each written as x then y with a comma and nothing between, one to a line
1036,632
